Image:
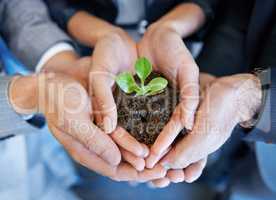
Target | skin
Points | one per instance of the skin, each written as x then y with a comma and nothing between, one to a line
164,46
71,77
71,124
193,171
69,63
109,43
169,57
227,102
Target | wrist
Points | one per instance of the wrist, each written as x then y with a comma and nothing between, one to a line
115,32
23,94
63,63
185,19
110,31
89,29
120,39
249,100
60,62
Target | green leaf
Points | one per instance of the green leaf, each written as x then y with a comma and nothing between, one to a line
127,83
156,85
143,69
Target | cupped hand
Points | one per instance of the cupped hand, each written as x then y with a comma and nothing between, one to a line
113,53
170,57
227,102
194,170
66,106
121,172
69,64
189,175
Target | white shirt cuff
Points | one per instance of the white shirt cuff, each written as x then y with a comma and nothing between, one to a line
54,50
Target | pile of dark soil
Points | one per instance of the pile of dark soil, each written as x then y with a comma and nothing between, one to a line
145,116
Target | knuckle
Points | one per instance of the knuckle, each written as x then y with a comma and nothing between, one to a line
163,173
90,141
155,151
119,133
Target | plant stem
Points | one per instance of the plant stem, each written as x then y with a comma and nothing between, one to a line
143,86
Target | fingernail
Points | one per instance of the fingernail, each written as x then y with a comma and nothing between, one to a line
150,162
108,127
189,124
165,165
140,166
146,151
150,185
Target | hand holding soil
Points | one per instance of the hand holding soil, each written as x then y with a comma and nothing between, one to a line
169,56
170,59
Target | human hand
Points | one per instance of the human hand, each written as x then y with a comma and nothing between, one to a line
70,64
66,106
113,53
107,62
193,171
227,102
169,56
121,172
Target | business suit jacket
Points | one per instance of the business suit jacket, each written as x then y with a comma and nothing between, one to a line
29,32
63,10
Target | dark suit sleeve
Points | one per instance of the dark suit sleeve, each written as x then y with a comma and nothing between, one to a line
208,6
61,11
265,129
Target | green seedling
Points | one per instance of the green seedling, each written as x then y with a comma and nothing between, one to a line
143,69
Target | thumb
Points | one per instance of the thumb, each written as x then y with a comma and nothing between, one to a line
101,83
189,95
187,151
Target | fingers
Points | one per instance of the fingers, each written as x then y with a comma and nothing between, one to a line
137,162
160,183
154,158
205,80
189,94
122,172
150,174
125,172
165,138
183,115
129,143
194,171
176,175
95,140
102,92
180,156
81,155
